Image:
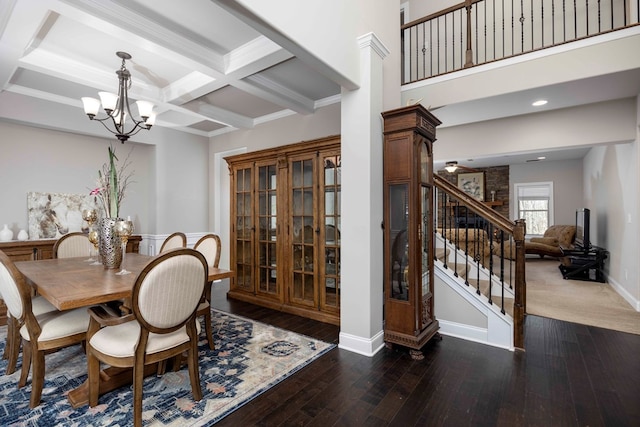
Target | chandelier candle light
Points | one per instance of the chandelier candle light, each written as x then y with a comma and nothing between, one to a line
117,106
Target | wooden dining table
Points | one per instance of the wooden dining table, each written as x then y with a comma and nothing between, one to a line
70,283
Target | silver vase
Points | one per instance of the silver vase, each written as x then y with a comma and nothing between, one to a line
110,245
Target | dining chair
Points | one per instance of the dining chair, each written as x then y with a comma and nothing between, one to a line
162,324
175,240
209,245
74,244
39,305
40,334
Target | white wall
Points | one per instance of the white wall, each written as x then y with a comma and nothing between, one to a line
34,159
182,184
567,185
421,8
611,192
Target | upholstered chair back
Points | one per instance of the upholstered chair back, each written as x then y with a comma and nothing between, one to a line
210,246
175,240
71,245
167,292
12,288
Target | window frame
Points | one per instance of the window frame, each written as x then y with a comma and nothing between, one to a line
516,197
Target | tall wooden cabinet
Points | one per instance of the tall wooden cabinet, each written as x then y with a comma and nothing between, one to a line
285,228
409,133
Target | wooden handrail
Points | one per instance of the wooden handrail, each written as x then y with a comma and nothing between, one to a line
474,205
440,13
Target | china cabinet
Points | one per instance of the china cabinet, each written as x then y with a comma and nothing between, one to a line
285,228
409,319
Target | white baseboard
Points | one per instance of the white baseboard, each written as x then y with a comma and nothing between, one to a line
469,333
635,303
360,345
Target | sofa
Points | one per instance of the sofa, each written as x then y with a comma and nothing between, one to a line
549,244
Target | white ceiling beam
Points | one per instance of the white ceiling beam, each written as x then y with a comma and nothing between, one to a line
166,39
19,21
221,115
276,93
253,57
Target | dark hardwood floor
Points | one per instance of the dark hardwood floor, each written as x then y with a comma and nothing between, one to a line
569,375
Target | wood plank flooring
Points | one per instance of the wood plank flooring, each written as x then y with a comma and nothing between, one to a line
569,375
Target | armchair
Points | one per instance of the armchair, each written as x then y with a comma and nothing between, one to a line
162,324
41,334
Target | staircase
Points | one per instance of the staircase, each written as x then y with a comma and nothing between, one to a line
479,272
483,319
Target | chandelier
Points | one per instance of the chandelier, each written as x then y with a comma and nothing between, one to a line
117,107
451,167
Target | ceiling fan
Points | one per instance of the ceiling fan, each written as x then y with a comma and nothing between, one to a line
452,166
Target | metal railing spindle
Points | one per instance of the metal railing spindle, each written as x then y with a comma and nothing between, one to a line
449,45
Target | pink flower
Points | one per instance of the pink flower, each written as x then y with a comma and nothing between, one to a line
95,191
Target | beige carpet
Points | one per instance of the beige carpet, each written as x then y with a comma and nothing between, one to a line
587,303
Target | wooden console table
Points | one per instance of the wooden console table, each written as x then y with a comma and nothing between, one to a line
32,250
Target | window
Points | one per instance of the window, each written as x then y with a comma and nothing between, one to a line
534,203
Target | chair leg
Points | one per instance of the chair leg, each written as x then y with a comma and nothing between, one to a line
194,371
26,363
177,362
209,328
7,347
13,345
162,368
138,377
37,377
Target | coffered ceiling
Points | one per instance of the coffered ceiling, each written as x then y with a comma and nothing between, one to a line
205,70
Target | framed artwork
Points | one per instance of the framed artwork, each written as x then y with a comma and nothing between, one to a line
472,184
52,215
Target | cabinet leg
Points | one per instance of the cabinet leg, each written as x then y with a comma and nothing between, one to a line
416,354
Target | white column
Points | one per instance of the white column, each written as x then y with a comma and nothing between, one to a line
361,250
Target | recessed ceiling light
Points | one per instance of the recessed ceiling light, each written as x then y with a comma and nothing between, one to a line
539,102
541,157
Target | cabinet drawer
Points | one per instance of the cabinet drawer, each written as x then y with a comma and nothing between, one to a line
21,254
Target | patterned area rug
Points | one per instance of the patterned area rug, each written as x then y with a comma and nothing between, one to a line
250,357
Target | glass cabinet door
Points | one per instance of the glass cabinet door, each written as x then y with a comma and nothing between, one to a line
425,241
303,232
330,217
399,223
244,229
267,237
426,234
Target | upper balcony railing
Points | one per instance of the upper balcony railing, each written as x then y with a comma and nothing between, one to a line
479,31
